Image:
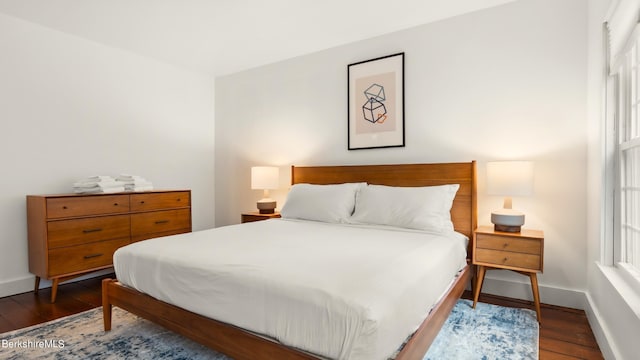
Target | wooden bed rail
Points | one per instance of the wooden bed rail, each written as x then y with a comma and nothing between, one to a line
240,344
227,339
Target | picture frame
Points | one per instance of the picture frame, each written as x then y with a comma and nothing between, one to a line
376,103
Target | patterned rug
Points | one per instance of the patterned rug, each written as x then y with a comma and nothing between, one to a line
489,332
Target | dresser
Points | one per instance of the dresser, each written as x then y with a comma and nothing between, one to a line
73,234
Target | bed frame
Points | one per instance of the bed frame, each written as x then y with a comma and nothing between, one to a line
241,344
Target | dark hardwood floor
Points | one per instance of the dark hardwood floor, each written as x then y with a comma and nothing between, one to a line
564,334
22,310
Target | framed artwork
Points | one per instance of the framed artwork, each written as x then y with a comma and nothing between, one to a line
376,103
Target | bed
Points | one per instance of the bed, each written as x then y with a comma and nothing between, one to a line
246,341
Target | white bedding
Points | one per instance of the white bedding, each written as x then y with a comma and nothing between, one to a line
338,291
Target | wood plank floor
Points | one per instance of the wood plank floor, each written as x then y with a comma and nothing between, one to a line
564,334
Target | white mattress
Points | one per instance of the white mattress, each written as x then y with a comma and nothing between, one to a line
338,291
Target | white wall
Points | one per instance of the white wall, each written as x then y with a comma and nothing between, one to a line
71,108
503,83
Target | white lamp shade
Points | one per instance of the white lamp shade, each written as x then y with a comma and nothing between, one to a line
265,177
510,178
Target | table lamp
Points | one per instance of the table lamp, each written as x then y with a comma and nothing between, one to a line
265,178
509,178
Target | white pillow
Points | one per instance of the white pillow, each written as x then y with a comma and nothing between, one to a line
424,208
327,203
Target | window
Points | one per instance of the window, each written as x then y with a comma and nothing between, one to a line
629,154
625,100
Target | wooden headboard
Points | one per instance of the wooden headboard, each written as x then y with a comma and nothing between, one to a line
463,212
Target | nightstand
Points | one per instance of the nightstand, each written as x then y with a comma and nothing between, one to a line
256,216
521,252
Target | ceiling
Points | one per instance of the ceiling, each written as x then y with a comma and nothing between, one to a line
226,36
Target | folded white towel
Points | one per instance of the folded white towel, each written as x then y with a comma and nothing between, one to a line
137,183
98,190
109,184
126,177
140,188
90,184
113,189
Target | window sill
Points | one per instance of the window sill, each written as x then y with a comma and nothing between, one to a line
626,282
630,275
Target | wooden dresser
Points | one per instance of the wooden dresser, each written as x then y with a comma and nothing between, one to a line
74,234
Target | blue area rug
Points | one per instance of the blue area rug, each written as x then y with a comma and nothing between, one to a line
489,332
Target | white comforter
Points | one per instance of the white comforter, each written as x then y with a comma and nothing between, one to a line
338,291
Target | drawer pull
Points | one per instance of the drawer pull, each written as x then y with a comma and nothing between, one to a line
87,231
142,202
505,260
64,208
92,256
115,204
178,199
162,221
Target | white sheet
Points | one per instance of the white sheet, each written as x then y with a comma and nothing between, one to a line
339,291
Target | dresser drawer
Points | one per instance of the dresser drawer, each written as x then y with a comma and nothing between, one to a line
522,245
508,258
81,231
157,201
61,207
160,221
83,257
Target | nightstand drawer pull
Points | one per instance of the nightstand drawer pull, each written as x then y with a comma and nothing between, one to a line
162,222
92,256
87,231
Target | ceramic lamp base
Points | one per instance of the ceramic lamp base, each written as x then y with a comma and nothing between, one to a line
507,220
504,228
266,206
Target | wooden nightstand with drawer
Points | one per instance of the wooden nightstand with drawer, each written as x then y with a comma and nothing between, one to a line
256,216
522,252
75,234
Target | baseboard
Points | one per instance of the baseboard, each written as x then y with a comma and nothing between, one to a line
548,295
17,286
25,284
600,331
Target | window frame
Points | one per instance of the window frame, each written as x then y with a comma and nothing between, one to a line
618,122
